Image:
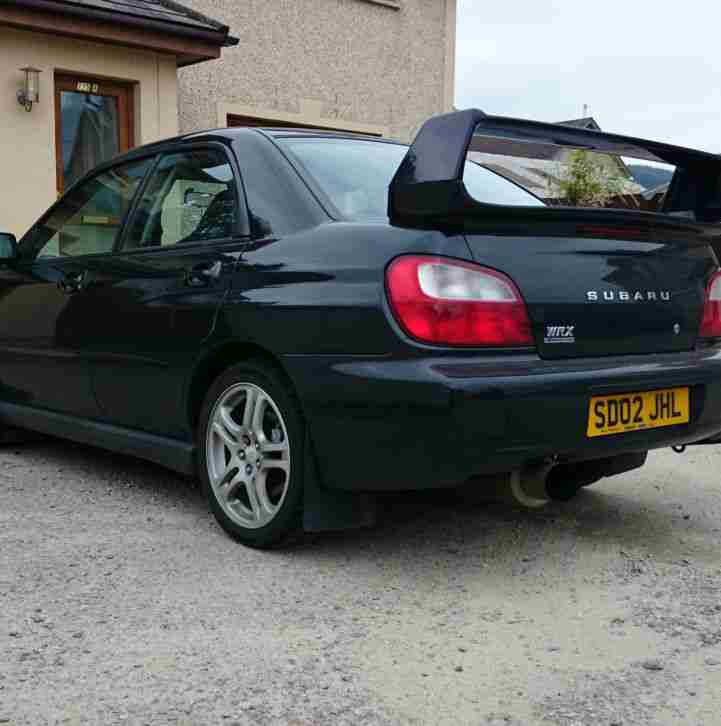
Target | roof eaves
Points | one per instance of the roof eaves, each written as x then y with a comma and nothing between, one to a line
189,12
197,25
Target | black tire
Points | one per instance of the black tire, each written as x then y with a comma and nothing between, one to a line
287,522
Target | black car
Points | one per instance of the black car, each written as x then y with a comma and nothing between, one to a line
303,318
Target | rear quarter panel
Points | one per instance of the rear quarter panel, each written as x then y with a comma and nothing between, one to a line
321,292
316,301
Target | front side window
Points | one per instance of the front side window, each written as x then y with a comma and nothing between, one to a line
190,197
88,219
356,174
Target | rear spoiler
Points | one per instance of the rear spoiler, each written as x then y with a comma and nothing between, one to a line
429,182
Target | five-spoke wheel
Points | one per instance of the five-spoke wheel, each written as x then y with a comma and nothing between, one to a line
250,429
248,455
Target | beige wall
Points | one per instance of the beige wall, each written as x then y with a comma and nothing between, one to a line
27,140
363,63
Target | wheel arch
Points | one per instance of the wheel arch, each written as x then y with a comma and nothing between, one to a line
214,362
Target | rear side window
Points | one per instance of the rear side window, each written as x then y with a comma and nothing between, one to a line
356,174
89,217
190,197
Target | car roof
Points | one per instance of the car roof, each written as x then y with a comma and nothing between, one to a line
300,133
228,136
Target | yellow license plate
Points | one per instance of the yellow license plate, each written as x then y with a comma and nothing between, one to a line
625,412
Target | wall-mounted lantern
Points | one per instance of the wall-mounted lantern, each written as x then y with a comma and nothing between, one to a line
30,92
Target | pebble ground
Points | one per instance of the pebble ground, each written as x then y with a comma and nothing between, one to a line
122,602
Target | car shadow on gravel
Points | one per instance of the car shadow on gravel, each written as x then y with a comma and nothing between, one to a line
441,521
427,522
79,463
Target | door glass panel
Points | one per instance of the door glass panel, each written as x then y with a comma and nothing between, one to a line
90,131
88,219
190,198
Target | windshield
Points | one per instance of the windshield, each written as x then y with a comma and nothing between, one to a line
356,174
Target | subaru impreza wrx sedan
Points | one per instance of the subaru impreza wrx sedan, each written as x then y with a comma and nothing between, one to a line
303,318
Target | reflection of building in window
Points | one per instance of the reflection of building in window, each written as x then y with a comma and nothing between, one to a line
192,208
185,207
190,197
88,219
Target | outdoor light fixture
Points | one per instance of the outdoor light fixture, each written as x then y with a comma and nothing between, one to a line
30,92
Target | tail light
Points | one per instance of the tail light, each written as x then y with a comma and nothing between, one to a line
711,321
448,302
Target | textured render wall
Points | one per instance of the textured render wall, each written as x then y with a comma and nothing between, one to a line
27,141
367,63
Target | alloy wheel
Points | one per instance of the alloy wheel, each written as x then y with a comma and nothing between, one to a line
248,455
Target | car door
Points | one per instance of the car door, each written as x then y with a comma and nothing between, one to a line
154,301
41,308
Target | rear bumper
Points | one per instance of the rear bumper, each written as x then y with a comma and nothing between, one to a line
382,424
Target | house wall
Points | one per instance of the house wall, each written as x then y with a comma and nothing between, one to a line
365,65
27,141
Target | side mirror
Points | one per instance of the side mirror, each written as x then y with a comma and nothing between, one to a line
8,247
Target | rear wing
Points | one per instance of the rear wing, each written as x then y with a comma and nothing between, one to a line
429,186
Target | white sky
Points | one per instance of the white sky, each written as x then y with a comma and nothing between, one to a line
645,68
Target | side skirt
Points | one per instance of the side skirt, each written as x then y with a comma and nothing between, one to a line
170,453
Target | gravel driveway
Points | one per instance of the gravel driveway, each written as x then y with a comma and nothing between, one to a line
121,601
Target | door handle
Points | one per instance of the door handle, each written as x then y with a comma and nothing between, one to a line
72,282
203,274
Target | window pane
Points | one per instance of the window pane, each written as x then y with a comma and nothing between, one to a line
568,176
190,198
489,187
88,219
356,176
90,132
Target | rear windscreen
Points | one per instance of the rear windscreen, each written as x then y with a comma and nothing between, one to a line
574,177
355,175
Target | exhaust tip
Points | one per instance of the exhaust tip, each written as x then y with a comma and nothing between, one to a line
528,486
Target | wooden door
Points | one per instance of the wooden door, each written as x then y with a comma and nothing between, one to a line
93,123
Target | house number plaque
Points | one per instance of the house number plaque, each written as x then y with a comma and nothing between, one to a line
87,87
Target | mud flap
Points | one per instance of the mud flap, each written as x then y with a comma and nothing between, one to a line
332,509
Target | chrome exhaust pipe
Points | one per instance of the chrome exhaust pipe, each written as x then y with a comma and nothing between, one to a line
528,485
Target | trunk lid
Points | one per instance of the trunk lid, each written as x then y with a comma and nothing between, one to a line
596,281
616,289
